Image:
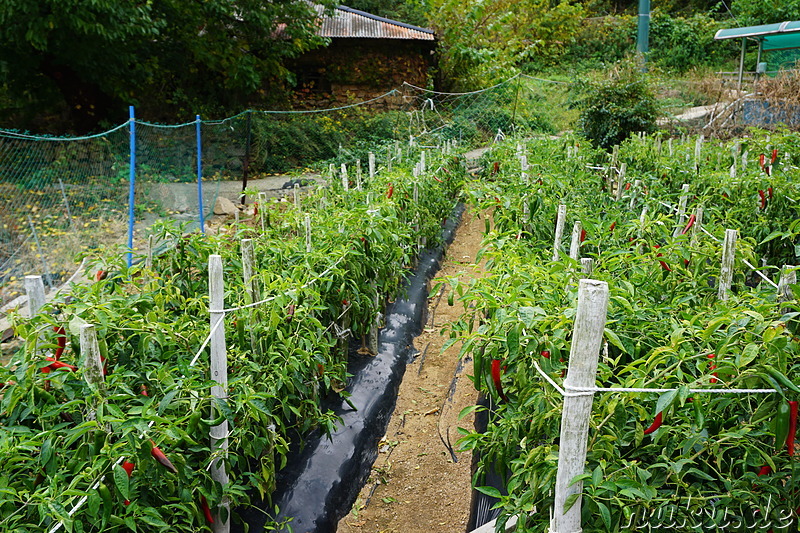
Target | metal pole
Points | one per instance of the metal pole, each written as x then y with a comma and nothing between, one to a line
132,183
643,36
741,65
200,176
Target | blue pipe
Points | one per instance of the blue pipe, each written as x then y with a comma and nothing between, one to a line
200,178
132,181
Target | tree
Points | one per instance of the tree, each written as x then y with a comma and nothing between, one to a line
98,56
483,42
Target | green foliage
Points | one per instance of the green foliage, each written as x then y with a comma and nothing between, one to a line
409,11
62,439
754,12
481,43
110,52
615,106
665,322
285,142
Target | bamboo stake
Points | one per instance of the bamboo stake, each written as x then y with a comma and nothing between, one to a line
575,245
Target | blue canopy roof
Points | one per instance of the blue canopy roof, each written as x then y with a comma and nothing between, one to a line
779,36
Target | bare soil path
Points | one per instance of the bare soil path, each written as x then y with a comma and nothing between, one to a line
416,486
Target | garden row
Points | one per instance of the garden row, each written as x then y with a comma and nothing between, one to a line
132,452
649,220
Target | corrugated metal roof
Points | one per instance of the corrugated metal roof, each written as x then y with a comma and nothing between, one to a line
347,22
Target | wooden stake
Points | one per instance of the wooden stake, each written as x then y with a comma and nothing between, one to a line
575,245
637,186
219,373
587,267
308,233
642,218
587,338
726,269
788,277
698,224
371,163
623,168
345,181
34,288
262,212
562,213
248,263
682,210
148,262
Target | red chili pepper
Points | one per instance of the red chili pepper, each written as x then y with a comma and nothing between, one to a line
774,156
613,225
100,275
762,160
437,179
496,168
769,192
627,186
712,366
763,199
765,470
663,264
61,341
206,510
56,365
792,427
583,235
159,456
255,209
496,378
656,423
320,369
689,224
128,467
390,192
144,390
546,354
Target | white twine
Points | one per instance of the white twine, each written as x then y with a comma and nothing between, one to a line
571,391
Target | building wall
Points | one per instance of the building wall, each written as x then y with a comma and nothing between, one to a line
354,70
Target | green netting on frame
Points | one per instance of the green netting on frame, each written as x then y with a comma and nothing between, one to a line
65,195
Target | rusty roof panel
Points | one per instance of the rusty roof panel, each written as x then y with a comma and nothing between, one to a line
352,23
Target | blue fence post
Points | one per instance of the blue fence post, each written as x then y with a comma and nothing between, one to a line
132,181
200,178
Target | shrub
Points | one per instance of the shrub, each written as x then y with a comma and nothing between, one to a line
615,107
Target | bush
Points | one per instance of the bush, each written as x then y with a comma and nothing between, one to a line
614,108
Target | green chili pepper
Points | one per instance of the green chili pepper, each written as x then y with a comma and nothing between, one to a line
780,424
782,379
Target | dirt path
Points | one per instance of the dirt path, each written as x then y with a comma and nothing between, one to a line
415,485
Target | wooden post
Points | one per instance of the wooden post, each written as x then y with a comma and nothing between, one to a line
92,365
373,332
788,277
248,261
371,163
345,181
698,224
669,146
308,233
562,213
575,245
682,210
34,288
422,164
587,338
698,149
587,267
623,168
523,162
262,212
726,270
637,186
219,373
358,174
744,160
148,262
642,218
296,191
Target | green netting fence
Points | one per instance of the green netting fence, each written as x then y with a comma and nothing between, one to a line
65,196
